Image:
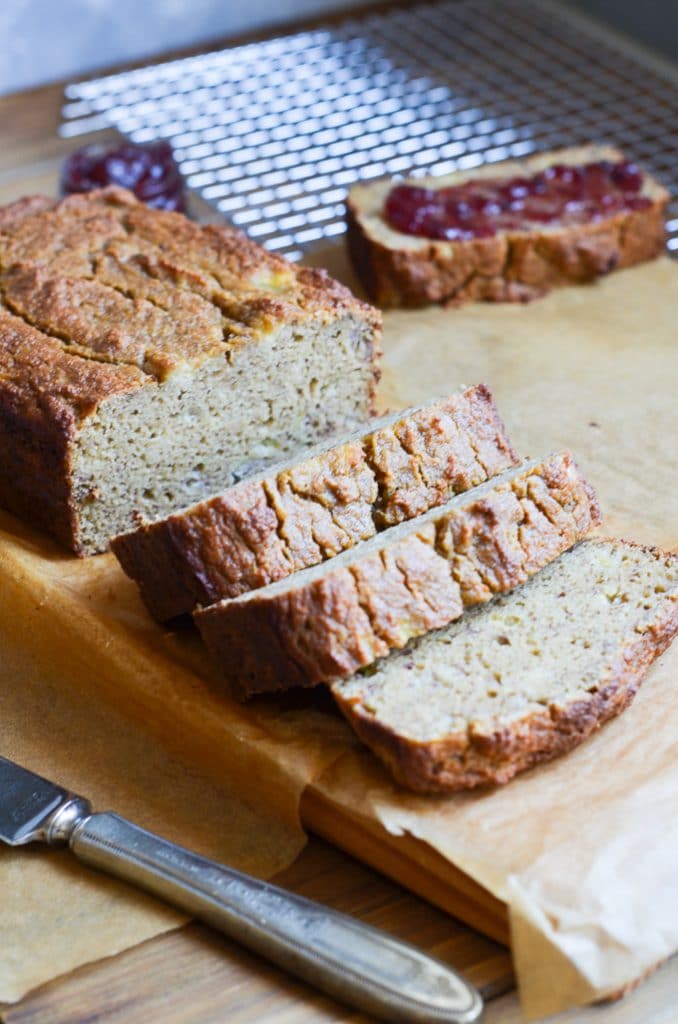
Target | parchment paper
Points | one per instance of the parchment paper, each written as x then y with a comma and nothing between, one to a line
92,695
582,850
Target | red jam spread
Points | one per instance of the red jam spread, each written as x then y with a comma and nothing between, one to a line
559,194
150,171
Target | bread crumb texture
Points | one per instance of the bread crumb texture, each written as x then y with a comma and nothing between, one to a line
524,678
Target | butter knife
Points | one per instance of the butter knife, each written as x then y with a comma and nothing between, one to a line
357,964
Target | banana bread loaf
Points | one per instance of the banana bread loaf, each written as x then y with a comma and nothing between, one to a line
146,362
332,619
522,679
508,231
306,511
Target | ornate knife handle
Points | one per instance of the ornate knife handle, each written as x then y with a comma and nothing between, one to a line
353,962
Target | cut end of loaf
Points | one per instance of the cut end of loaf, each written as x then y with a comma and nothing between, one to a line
523,679
169,445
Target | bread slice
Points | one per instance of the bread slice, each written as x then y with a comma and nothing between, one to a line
522,679
146,361
399,269
330,620
306,511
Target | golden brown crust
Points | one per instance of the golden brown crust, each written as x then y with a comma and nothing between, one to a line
475,757
250,535
110,296
435,453
97,321
509,267
45,394
64,236
336,622
261,531
17,211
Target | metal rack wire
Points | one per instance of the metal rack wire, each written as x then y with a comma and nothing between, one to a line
273,133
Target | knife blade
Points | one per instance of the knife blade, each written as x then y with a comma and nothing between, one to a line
357,964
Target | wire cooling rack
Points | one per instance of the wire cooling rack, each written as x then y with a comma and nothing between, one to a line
273,133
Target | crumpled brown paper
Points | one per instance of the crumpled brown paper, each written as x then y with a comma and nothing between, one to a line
583,850
580,850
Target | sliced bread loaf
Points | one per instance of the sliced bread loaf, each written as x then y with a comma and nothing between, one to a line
332,619
147,361
509,258
305,511
522,679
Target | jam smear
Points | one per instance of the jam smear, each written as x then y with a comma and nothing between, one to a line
150,171
561,194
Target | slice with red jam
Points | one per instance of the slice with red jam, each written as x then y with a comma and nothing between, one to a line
560,195
507,232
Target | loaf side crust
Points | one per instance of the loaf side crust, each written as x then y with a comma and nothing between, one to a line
262,530
510,266
100,297
348,616
474,757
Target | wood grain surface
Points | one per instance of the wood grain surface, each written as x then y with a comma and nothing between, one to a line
193,975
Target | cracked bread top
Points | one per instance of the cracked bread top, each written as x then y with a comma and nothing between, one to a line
115,319
102,279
